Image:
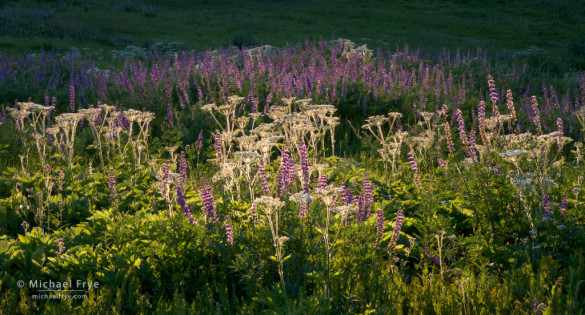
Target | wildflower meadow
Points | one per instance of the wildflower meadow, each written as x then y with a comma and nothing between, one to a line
321,177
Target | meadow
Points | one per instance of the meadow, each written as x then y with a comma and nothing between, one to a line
320,176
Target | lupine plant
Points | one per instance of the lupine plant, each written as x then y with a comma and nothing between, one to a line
235,181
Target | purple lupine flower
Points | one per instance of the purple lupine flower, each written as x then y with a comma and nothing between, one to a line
98,118
291,170
346,196
497,171
254,214
181,102
546,205
122,121
47,99
450,144
564,205
183,168
442,164
472,145
414,168
510,104
185,92
560,140
481,121
286,172
49,139
199,141
534,305
397,229
54,101
165,178
368,191
183,203
493,91
208,201
361,208
462,133
72,96
444,110
263,179
218,148
323,181
536,114
229,232
365,201
304,157
112,183
199,92
434,258
170,114
379,226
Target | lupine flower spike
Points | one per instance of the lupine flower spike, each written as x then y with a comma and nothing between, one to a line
112,183
379,226
414,168
208,201
397,229
183,204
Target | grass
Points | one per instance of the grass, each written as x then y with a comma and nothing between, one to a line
512,26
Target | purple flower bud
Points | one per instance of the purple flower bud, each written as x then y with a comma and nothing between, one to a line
183,168
323,181
472,145
534,305
368,191
49,139
165,178
434,258
379,226
481,121
72,96
560,140
286,175
112,182
254,214
170,114
199,141
229,232
546,205
536,114
183,204
218,148
263,179
304,157
397,229
414,167
346,196
365,201
208,201
462,134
